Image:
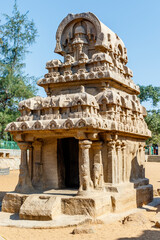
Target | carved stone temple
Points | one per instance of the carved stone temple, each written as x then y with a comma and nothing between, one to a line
82,146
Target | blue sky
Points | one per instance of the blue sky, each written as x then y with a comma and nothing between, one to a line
137,22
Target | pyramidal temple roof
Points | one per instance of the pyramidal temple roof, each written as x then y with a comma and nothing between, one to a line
91,88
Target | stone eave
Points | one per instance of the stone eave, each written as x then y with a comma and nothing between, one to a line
76,124
114,82
70,132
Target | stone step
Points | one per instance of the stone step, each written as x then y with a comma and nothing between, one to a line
123,202
40,207
153,158
132,198
144,195
141,182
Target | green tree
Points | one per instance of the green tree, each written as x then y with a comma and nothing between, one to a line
153,122
152,94
16,35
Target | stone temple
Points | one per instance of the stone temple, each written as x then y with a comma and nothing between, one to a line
82,146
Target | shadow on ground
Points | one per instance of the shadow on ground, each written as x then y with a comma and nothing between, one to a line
15,216
2,194
146,235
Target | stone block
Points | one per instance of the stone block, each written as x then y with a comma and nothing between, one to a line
12,202
1,154
95,206
7,155
158,191
123,201
144,195
83,230
40,207
157,224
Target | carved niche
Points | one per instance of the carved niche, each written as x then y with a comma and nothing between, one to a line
78,39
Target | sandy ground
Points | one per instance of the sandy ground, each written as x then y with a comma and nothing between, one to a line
8,182
152,170
140,225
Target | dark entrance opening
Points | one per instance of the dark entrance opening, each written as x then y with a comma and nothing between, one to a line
67,157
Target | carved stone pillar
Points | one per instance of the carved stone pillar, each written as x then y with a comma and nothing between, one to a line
142,160
129,163
30,162
118,163
124,163
111,162
24,184
86,183
37,180
98,178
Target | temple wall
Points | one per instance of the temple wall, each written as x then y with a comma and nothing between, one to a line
49,158
136,159
123,164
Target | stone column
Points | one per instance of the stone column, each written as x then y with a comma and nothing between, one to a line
124,163
111,161
24,184
30,162
118,163
86,183
98,178
37,180
129,162
142,160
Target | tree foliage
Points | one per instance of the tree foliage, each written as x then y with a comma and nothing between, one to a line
152,94
16,35
153,122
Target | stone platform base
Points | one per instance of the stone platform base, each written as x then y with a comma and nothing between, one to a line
13,220
130,195
47,205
